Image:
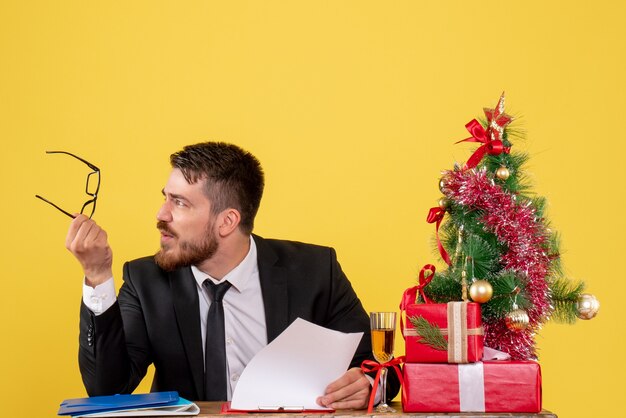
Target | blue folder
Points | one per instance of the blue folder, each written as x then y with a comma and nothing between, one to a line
114,403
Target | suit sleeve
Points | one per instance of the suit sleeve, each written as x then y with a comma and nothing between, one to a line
346,313
113,347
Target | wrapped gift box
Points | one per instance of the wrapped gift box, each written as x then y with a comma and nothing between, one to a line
459,322
491,386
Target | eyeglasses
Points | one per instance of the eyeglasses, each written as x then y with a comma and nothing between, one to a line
91,188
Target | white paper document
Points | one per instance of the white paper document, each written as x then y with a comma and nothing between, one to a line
292,371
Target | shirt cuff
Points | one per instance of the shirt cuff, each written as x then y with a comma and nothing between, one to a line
100,298
379,390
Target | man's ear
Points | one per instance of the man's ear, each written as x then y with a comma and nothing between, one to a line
230,219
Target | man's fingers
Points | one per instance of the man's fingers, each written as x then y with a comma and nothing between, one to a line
352,375
82,239
356,400
359,403
349,391
88,236
73,230
89,244
95,236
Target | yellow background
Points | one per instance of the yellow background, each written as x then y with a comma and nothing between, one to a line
353,107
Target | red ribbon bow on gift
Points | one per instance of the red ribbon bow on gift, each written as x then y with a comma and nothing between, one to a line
436,215
424,280
371,366
409,296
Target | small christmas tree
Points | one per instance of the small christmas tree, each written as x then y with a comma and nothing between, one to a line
498,245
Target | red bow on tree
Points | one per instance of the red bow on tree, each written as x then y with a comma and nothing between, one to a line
435,215
497,120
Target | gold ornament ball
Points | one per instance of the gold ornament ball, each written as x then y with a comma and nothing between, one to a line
443,184
503,173
587,306
443,203
517,320
481,291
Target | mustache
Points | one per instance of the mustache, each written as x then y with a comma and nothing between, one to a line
165,228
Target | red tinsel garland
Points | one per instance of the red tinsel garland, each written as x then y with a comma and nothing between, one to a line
515,223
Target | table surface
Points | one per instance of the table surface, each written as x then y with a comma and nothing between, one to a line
211,409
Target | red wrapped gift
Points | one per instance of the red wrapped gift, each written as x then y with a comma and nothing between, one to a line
491,386
458,323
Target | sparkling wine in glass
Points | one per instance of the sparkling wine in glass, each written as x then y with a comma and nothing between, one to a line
383,327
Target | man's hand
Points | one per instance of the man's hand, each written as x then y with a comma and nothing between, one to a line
88,242
350,391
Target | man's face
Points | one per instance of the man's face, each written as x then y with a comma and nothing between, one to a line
186,224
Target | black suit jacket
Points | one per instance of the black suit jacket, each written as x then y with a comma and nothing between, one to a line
156,318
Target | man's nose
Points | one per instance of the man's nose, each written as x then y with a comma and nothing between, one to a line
164,214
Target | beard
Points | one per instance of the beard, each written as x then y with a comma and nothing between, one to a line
185,253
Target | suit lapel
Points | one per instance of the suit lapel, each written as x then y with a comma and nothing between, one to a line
186,305
273,279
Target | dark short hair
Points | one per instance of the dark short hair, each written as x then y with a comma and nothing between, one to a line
233,177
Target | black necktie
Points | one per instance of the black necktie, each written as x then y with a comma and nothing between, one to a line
215,349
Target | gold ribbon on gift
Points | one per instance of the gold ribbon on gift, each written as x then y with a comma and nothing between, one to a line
457,332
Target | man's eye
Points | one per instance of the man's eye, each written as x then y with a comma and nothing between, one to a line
179,202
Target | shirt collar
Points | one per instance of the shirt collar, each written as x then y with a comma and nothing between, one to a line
239,276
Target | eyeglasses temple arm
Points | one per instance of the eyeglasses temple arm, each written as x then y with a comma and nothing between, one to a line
93,167
50,203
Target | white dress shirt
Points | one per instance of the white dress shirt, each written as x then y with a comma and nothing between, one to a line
244,315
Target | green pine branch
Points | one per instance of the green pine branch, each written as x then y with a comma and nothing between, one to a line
445,286
484,256
518,182
508,289
564,297
431,334
554,245
482,246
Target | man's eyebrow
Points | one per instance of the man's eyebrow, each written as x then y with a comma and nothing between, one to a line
174,195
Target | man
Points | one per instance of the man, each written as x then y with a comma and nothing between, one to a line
168,311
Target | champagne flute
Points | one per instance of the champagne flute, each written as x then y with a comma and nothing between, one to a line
383,327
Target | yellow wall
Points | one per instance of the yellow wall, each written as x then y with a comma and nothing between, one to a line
353,108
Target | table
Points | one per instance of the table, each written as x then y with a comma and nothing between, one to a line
212,409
